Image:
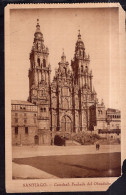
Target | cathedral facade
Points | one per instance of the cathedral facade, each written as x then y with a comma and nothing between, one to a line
64,106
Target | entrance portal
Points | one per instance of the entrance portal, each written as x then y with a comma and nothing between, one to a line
66,124
36,138
59,140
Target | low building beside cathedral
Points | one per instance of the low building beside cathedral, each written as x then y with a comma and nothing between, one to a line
66,106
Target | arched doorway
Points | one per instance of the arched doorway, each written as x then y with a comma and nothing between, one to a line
36,139
59,140
66,124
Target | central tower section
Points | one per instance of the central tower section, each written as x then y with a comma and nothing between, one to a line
39,83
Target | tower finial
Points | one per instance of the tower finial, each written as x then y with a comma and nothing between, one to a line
63,57
37,21
37,26
79,35
63,54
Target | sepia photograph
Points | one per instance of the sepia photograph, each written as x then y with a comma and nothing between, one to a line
64,86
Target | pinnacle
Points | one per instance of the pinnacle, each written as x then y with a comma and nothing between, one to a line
63,54
79,35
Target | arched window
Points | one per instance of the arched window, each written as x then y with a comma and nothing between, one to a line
65,91
43,92
16,130
81,68
65,103
41,109
26,130
66,124
44,63
38,60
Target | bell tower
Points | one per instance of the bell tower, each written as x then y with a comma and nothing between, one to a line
82,80
39,71
80,65
39,79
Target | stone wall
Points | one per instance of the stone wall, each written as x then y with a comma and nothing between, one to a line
24,126
23,138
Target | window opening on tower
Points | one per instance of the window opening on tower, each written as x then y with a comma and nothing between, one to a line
44,63
38,60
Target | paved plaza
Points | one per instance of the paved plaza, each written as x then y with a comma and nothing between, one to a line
45,162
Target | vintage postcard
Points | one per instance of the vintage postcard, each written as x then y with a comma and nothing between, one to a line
64,96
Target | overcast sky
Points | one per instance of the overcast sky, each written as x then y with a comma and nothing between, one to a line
100,32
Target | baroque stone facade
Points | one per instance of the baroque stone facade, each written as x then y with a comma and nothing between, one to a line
65,106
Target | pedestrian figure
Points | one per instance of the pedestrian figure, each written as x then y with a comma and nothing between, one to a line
119,186
97,146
